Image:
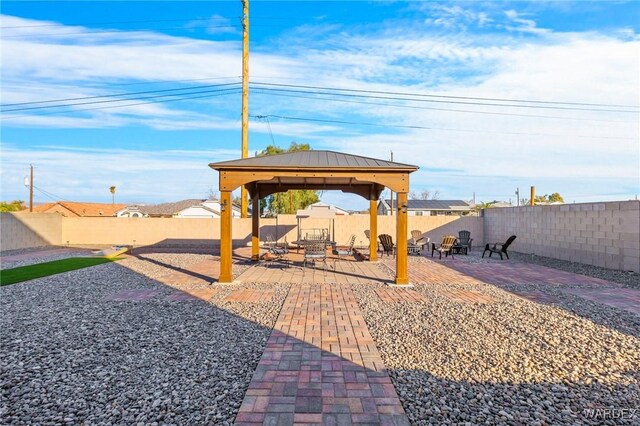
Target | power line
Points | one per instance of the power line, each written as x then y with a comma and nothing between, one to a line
231,92
47,194
257,91
110,96
324,93
448,96
401,126
145,21
114,22
438,101
113,31
118,100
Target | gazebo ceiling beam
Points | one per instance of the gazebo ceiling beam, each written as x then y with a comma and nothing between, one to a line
364,190
396,181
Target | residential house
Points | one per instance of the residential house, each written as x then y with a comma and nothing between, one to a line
191,208
77,209
429,207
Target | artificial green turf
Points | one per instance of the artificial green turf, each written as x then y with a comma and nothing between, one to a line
39,270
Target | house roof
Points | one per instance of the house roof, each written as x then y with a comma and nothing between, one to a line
82,209
434,204
314,159
170,208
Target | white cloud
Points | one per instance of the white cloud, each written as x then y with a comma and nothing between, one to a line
555,66
86,174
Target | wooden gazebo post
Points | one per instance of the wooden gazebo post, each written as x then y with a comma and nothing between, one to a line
226,236
401,239
255,227
373,229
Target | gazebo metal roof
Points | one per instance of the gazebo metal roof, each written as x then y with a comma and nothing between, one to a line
313,159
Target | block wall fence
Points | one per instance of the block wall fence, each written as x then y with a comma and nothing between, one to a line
602,234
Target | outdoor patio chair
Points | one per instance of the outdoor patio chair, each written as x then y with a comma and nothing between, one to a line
279,253
418,238
387,244
499,247
446,246
345,251
315,251
465,240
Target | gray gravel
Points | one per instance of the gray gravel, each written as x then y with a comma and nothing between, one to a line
512,362
43,257
71,356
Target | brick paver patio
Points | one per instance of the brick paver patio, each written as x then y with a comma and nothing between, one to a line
627,299
396,295
321,366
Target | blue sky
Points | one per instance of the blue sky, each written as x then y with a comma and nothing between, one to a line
567,52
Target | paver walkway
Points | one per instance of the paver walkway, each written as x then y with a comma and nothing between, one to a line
341,272
321,366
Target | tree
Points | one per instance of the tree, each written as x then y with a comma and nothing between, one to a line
13,206
424,195
291,201
553,198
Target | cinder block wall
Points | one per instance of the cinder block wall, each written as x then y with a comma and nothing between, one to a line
27,230
601,234
38,229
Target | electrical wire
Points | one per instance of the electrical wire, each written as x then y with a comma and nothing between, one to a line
48,194
257,91
114,31
146,21
236,91
396,98
400,126
109,96
325,93
443,96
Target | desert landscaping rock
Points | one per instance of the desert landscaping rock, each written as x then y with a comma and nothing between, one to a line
70,355
512,361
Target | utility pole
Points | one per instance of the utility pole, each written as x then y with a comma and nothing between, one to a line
31,188
474,198
518,197
390,191
533,196
245,99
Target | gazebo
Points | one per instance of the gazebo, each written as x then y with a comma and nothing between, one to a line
320,170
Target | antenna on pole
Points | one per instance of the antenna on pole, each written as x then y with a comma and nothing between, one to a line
245,99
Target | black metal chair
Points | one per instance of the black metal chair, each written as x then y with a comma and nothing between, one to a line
499,247
315,251
279,253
